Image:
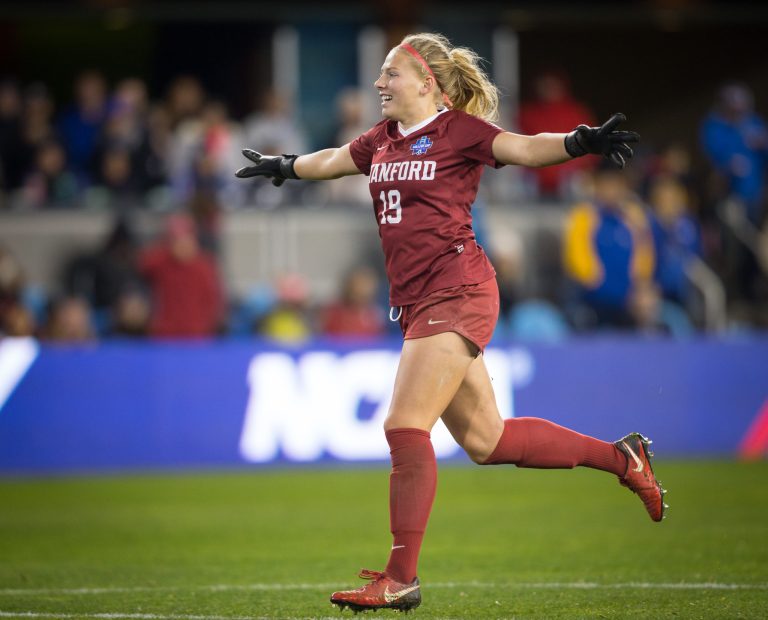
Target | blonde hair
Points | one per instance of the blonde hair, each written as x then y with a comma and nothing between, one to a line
458,74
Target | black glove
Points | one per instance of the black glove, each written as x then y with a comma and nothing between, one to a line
275,167
602,140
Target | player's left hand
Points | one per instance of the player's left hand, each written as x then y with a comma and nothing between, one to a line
604,140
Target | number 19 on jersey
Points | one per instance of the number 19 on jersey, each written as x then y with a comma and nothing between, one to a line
391,211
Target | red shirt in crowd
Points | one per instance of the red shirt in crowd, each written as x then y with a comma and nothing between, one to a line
186,293
559,116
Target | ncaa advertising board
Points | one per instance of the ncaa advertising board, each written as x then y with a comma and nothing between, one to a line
121,405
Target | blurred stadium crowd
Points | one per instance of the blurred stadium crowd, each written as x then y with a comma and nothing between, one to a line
666,247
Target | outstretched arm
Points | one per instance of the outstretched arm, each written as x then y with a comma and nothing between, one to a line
545,149
325,164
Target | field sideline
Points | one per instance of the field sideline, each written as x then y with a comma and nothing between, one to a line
502,543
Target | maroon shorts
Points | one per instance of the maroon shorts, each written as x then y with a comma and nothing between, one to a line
470,310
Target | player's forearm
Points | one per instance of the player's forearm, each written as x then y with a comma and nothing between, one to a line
545,149
315,166
325,164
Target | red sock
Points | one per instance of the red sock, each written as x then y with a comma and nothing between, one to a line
411,493
533,442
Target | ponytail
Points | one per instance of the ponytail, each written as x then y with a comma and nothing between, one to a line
457,70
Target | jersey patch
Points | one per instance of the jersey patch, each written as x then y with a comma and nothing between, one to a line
421,146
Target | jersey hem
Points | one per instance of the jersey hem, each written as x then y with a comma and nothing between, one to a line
408,301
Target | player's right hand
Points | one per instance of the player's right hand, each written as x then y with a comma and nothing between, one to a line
604,140
275,167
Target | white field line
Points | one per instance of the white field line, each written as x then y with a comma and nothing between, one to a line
450,585
119,616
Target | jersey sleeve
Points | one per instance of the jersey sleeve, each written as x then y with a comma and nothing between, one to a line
362,148
473,138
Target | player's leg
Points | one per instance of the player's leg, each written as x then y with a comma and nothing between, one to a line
431,369
429,373
472,416
473,419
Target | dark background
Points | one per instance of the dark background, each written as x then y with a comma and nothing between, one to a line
659,62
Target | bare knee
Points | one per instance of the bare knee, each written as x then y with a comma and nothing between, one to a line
402,419
390,424
480,442
478,455
479,452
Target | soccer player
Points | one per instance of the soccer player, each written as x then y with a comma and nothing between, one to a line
424,163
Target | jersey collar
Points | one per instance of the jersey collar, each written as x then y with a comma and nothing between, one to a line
421,125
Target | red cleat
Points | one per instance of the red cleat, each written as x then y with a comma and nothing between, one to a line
381,593
639,477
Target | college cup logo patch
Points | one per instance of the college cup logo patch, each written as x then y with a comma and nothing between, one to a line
421,146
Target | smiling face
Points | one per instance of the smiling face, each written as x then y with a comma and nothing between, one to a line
405,94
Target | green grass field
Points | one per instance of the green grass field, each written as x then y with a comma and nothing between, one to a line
502,543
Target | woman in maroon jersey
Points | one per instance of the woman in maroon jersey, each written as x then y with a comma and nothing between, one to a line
424,163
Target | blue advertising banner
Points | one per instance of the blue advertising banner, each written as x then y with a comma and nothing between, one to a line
122,405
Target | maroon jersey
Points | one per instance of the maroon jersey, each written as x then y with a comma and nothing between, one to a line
423,186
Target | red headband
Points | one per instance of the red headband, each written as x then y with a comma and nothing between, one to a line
412,51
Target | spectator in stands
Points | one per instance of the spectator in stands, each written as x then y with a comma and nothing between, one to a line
509,262
350,109
221,143
676,236
608,248
69,320
117,187
102,277
160,139
35,130
527,310
130,95
50,183
184,100
735,139
126,131
355,313
209,145
651,315
554,109
273,126
15,318
18,322
131,314
10,137
672,162
205,204
81,123
288,322
186,293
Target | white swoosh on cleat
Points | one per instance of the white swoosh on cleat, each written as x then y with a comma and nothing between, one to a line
638,462
391,597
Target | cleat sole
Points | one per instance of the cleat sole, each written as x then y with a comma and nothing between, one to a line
645,442
357,609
